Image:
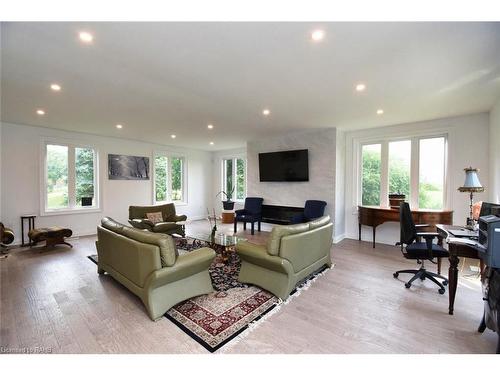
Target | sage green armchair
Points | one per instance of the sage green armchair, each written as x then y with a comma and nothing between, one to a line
171,221
292,253
149,265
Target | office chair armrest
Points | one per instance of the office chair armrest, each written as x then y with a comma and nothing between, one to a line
428,234
422,225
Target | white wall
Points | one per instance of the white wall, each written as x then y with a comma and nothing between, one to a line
467,142
340,186
321,185
494,187
1,216
21,146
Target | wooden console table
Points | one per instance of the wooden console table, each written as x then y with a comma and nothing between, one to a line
374,216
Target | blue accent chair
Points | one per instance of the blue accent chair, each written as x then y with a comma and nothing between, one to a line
312,210
250,214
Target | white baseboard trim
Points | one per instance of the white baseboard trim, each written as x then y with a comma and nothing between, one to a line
195,218
339,238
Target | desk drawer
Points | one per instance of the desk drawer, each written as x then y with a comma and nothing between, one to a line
433,218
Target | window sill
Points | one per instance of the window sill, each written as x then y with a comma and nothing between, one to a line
71,211
176,203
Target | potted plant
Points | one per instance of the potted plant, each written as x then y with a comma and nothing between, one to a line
228,204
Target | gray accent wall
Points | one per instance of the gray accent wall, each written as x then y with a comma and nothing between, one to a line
321,144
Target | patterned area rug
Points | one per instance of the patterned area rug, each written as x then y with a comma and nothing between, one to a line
215,319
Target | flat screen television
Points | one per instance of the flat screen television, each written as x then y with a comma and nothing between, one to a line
284,166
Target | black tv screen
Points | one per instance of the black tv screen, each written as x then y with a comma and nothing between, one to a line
284,166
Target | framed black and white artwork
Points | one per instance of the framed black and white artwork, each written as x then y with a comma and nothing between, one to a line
124,167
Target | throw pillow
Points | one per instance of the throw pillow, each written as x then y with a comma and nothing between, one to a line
155,217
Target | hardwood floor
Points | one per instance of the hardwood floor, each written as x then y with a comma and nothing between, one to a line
55,300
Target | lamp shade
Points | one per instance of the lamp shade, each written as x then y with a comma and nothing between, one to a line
471,181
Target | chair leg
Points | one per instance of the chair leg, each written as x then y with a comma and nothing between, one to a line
396,274
482,325
244,225
253,228
437,275
235,225
417,276
431,278
258,225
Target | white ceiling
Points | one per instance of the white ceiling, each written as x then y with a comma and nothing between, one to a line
159,79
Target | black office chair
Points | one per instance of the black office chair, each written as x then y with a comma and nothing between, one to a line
412,248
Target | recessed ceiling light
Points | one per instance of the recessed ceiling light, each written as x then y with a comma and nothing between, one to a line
211,143
317,35
119,126
173,136
86,37
210,126
266,112
360,87
380,111
55,87
40,112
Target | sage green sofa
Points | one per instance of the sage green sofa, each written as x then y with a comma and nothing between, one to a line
291,254
149,265
170,224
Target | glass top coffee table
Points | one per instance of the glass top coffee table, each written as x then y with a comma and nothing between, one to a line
223,244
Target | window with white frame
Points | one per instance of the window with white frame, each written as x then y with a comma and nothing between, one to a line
234,178
415,167
69,177
169,179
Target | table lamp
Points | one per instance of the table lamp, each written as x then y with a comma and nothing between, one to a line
471,185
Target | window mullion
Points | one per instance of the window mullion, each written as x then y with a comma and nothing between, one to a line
71,177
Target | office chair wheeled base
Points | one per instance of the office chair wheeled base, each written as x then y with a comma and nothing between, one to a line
423,274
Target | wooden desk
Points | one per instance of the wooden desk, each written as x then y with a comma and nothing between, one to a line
456,250
374,216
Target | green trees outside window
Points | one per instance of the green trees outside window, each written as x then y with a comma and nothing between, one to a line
431,172
240,179
84,167
57,177
169,178
370,180
70,176
161,174
234,171
177,179
399,167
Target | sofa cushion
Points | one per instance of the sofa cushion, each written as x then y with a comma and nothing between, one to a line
139,212
319,222
168,251
141,224
112,225
164,227
274,241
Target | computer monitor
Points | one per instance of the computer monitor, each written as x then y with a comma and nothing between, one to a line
489,209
